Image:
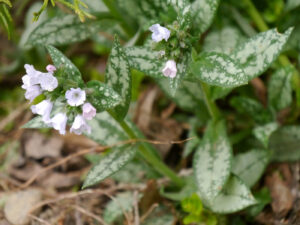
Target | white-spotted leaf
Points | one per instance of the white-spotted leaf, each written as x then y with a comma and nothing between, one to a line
70,71
101,96
249,166
263,133
212,161
36,123
234,197
257,54
218,69
111,162
64,30
118,77
203,12
280,88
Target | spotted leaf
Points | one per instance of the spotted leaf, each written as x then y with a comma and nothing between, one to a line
280,88
203,12
263,133
212,162
111,162
249,166
218,69
257,54
64,30
69,70
235,196
118,77
101,96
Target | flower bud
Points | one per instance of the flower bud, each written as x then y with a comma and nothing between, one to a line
170,69
88,111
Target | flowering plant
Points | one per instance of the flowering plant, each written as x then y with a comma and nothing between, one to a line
198,64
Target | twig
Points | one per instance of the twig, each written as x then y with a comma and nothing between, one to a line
96,149
148,212
84,211
39,219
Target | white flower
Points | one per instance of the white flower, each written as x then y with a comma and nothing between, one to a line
170,69
59,122
159,33
31,77
32,92
79,126
48,82
75,96
44,109
88,111
50,68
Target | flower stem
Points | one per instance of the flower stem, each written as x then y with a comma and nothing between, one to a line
151,158
211,106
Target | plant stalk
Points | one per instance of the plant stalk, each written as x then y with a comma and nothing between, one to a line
151,158
211,106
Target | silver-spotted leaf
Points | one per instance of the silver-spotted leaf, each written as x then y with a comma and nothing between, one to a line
218,69
101,96
280,88
234,197
257,54
118,77
223,40
70,71
203,12
146,61
249,166
65,29
292,4
212,161
263,133
36,123
111,162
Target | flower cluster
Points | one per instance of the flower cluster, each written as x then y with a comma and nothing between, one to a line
160,33
35,82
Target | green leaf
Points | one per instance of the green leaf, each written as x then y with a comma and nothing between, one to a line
106,130
6,20
257,54
121,203
36,123
7,2
219,92
249,166
145,60
63,30
218,69
280,88
192,204
61,61
223,40
160,216
118,77
191,145
112,162
212,161
101,96
284,143
251,107
264,132
234,197
203,12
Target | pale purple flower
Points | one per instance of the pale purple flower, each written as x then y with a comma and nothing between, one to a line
32,92
44,109
170,69
75,96
59,122
48,82
80,126
159,33
88,111
31,77
50,68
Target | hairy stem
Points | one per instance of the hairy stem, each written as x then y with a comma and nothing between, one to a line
211,106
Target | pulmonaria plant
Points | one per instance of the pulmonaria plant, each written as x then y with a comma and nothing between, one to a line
37,84
194,66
